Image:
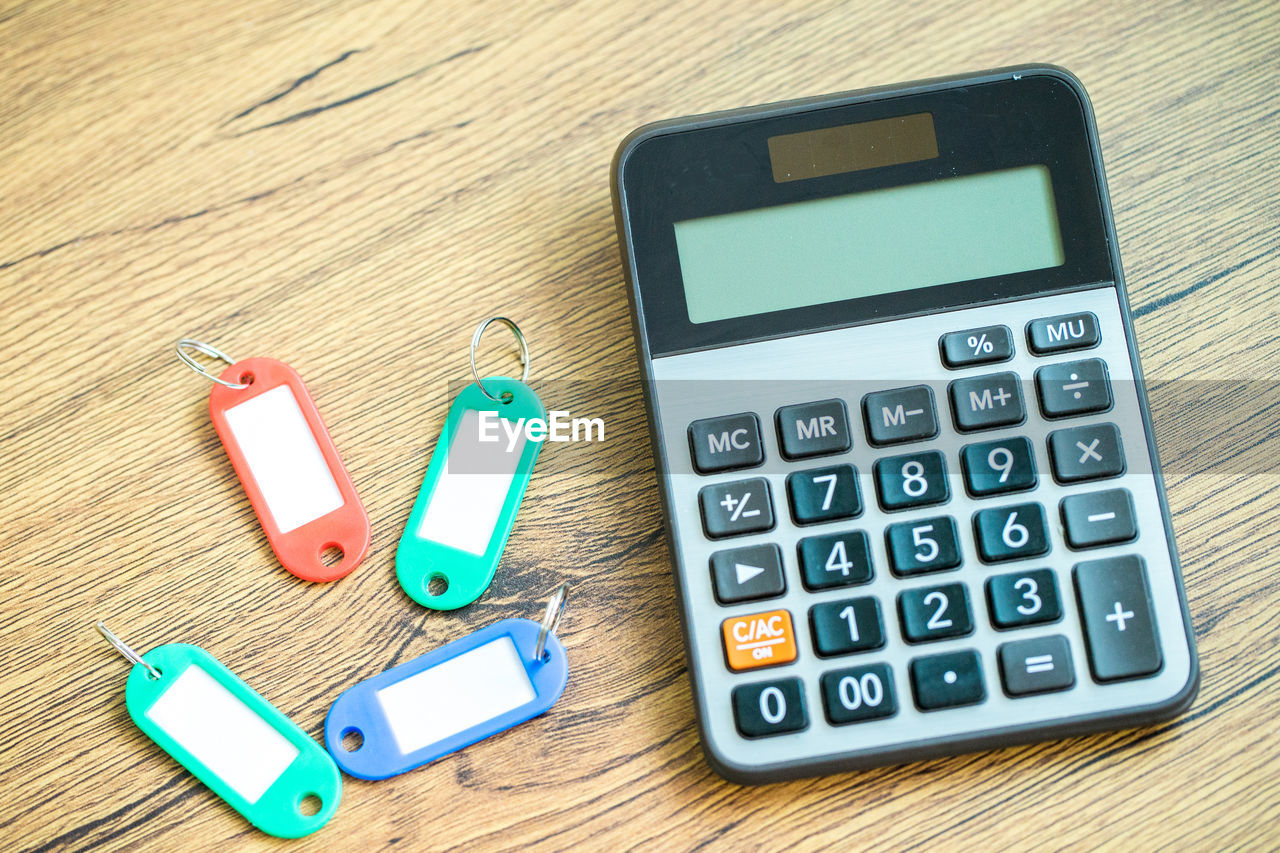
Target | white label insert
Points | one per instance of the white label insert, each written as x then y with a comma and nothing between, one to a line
469,494
284,458
457,694
223,733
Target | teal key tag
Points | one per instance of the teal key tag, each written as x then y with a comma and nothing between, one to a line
473,487
230,738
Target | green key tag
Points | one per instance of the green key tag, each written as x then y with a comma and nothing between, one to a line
231,738
475,481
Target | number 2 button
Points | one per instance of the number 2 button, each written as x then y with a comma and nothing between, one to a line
1010,532
935,613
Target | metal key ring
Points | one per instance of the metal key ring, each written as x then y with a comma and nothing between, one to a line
550,620
212,352
505,397
123,648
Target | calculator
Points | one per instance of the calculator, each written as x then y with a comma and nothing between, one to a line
903,448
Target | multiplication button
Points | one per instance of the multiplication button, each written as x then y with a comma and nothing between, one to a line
725,444
813,429
987,345
947,681
1082,453
858,694
903,414
1073,388
747,574
769,708
737,508
1119,627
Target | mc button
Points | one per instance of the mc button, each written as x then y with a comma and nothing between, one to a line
758,639
726,444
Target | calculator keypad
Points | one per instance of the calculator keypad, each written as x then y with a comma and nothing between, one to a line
982,526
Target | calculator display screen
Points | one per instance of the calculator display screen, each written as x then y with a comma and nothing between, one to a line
868,243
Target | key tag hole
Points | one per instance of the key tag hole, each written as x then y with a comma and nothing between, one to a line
309,805
331,555
437,584
246,378
352,739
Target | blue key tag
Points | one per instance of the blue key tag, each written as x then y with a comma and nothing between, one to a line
447,699
475,481
230,738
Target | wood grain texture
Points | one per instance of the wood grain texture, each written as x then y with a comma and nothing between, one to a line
351,188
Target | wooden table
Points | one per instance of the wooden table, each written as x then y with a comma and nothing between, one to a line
351,188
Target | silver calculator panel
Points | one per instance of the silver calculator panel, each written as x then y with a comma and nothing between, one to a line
849,363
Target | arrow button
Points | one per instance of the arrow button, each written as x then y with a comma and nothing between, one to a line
747,574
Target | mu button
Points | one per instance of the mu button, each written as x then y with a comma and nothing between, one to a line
759,639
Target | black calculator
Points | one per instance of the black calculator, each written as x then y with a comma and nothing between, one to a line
903,446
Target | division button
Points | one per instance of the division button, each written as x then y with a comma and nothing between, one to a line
858,694
813,429
737,508
845,627
1082,453
903,414
987,402
1063,333
1073,388
758,639
987,345
769,708
747,574
947,681
1098,518
1040,665
1119,627
725,444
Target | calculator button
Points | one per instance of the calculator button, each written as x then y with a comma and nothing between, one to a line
1119,627
834,560
1023,598
1098,518
1073,388
903,414
725,444
1041,665
813,429
759,639
769,708
976,346
1010,532
924,545
733,509
935,613
824,494
858,693
998,467
916,479
1063,333
1089,452
845,627
747,574
987,402
947,681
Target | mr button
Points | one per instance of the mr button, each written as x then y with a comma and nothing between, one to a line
759,639
723,444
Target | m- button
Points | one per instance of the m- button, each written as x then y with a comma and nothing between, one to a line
759,639
725,444
903,414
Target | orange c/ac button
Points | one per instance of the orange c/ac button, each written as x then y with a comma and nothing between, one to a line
760,639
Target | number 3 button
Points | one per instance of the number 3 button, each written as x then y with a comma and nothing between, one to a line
1023,598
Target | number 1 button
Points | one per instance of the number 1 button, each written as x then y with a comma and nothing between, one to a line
769,708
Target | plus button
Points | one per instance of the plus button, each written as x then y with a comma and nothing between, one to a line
1119,616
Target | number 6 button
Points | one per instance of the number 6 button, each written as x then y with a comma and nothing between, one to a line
1010,532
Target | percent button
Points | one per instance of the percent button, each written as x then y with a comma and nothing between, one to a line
972,347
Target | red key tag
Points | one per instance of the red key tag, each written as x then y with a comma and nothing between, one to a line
286,462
